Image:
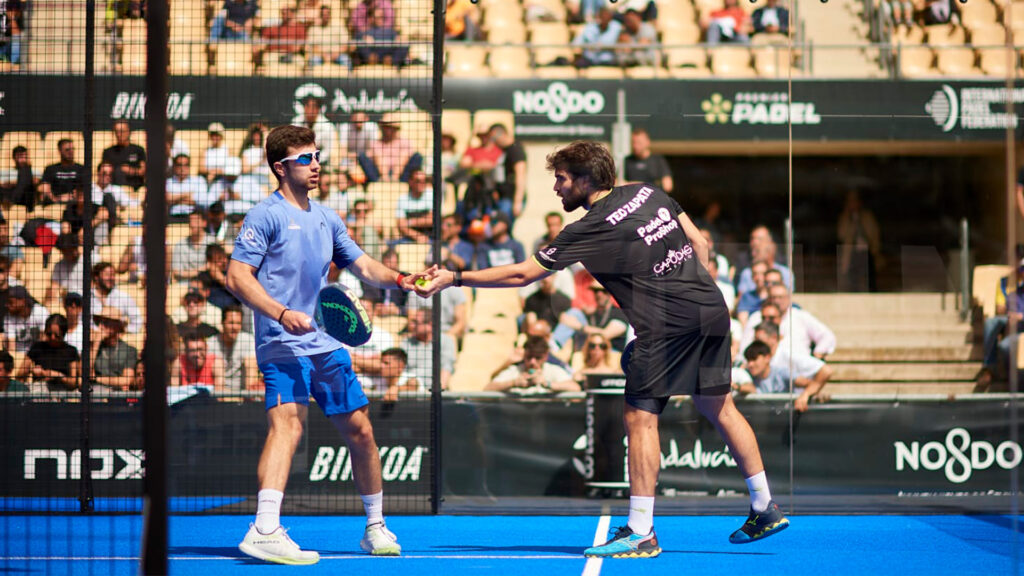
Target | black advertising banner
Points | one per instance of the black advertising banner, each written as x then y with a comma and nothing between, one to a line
674,110
214,450
521,448
871,448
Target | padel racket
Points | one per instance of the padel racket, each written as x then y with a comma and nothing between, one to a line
342,316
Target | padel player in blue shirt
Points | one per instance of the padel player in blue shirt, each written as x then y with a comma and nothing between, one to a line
279,264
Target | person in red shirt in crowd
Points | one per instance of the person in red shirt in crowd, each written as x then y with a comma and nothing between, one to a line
288,38
196,367
729,24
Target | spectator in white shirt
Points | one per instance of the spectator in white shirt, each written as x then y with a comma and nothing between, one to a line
215,157
184,191
800,330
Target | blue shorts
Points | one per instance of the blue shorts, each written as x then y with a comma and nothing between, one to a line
328,377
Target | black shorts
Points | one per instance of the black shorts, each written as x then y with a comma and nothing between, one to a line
689,364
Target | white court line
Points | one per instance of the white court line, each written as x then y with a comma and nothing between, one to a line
593,566
345,557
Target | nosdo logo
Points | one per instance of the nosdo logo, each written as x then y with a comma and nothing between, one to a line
959,456
557,102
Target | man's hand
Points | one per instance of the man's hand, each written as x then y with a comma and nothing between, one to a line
297,323
431,281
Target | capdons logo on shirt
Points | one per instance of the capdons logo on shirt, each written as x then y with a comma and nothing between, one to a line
620,213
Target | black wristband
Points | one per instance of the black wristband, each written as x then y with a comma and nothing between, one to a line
458,279
281,317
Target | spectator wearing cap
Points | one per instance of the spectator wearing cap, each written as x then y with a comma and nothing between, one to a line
501,248
73,315
69,272
216,155
209,314
24,321
106,294
193,302
236,20
184,191
112,359
313,117
188,257
392,158
51,363
128,159
414,212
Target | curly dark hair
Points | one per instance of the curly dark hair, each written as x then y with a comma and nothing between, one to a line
585,159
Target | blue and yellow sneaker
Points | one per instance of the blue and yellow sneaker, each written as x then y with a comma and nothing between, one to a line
626,544
760,525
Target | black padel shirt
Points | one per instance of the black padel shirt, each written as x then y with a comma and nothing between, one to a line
632,243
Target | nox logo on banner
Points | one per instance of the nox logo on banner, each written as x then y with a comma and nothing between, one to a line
68,466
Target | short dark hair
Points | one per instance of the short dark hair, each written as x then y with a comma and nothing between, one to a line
769,328
182,155
396,353
19,149
73,298
63,141
536,346
229,309
100,267
7,360
214,249
67,240
585,159
58,320
555,215
193,336
756,350
282,138
774,271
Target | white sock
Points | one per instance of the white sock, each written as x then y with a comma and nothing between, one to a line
268,510
374,506
641,514
760,495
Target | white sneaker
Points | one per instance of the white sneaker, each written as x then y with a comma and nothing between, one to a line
379,541
276,547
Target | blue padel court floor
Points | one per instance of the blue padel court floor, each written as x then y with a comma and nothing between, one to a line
529,546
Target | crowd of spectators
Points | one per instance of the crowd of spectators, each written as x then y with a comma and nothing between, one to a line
311,33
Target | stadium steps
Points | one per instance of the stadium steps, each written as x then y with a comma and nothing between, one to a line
836,23
907,343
